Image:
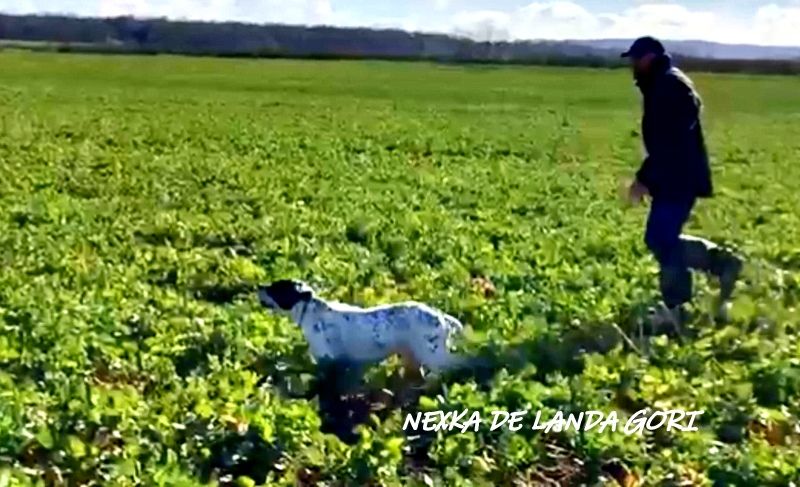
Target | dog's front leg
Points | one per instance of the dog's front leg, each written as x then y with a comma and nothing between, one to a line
412,378
334,376
411,369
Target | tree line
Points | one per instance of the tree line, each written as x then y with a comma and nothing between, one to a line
157,36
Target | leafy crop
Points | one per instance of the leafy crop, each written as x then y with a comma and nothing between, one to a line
142,198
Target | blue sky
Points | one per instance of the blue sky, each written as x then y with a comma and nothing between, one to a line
774,22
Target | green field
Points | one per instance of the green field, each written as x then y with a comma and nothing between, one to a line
141,198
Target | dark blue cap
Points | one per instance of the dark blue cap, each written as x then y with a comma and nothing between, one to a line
643,46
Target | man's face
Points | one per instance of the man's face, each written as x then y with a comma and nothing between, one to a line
641,64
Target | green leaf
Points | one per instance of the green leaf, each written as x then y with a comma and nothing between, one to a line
245,481
45,438
76,447
128,468
5,478
427,403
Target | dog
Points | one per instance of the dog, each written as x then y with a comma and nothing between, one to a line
357,336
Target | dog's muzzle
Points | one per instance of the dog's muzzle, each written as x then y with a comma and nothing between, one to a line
265,300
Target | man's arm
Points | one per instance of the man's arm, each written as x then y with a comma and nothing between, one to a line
675,113
645,173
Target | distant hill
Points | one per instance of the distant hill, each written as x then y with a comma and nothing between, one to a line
131,35
706,50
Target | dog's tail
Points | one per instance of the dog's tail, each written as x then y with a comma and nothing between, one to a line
464,367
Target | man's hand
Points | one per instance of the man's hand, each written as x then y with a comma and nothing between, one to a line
637,192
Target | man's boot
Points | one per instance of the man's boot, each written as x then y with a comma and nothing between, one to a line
728,269
706,256
675,282
667,320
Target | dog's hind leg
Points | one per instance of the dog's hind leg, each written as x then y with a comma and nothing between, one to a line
340,376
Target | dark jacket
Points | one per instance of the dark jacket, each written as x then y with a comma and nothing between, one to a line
676,165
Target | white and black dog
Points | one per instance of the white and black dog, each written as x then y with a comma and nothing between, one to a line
360,336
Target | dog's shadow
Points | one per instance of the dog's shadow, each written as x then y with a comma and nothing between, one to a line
347,400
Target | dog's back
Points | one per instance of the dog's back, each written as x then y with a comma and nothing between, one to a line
346,333
371,334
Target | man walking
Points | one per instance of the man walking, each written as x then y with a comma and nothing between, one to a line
675,173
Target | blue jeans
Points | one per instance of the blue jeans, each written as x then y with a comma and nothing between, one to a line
673,251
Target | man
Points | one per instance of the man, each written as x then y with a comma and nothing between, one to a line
675,173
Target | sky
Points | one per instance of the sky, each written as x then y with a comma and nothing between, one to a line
775,22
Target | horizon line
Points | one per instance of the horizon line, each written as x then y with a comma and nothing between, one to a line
396,29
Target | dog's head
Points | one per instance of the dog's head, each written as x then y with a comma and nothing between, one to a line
284,295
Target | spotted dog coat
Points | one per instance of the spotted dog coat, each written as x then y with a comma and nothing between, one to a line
344,333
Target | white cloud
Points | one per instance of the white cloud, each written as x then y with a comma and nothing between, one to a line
406,24
18,7
771,24
563,19
262,11
320,11
441,5
554,20
774,24
569,20
558,11
483,25
670,21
